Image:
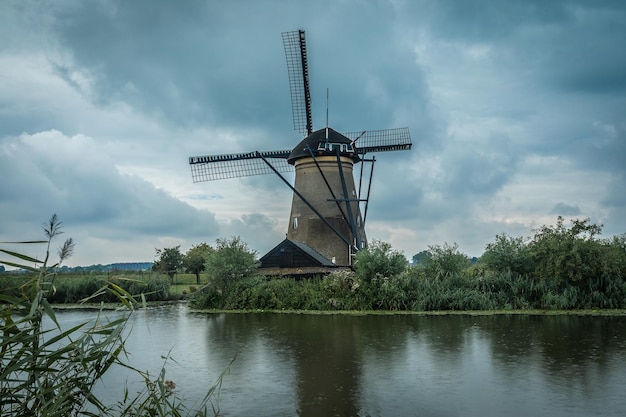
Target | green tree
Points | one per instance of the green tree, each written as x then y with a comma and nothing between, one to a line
378,260
617,253
195,259
445,260
169,261
567,255
231,259
421,257
507,254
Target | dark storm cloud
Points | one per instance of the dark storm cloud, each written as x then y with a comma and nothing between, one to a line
203,62
562,209
482,169
86,190
515,109
191,65
495,20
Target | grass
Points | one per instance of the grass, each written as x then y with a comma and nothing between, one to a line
185,284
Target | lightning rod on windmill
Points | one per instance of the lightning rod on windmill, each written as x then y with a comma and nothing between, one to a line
326,118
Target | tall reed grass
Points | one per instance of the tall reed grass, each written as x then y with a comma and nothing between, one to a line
51,371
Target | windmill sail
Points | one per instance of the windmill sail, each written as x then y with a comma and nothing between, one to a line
398,139
235,165
298,70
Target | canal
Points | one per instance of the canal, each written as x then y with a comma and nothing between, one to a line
381,365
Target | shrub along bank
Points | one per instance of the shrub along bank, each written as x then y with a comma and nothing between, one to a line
560,267
409,291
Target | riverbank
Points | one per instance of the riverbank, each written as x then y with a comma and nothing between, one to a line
534,312
113,306
530,312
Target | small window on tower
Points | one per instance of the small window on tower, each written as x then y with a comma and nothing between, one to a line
295,222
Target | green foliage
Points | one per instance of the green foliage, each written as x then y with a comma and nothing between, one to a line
76,288
378,260
445,260
561,268
159,398
195,259
421,257
169,261
342,290
261,293
507,254
568,255
51,371
229,261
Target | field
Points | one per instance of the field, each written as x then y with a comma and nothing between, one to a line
76,287
186,282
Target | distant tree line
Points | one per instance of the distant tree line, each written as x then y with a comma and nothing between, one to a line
120,266
228,260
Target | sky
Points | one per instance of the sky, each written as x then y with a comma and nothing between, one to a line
516,112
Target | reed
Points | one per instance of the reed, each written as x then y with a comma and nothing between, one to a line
51,371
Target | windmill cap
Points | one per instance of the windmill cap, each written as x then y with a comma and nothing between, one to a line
317,143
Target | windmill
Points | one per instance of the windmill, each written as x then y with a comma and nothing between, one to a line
327,220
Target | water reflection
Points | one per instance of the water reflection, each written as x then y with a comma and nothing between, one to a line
327,364
458,365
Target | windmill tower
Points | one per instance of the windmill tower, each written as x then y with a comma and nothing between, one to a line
328,211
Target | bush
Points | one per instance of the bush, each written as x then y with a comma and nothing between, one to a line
560,268
566,255
378,260
445,260
507,254
575,257
229,261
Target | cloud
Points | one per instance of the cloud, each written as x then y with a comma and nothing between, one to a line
515,109
74,178
562,209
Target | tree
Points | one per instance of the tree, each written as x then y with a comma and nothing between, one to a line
445,260
568,255
195,258
507,254
378,259
421,257
169,260
230,260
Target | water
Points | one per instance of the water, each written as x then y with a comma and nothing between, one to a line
391,365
